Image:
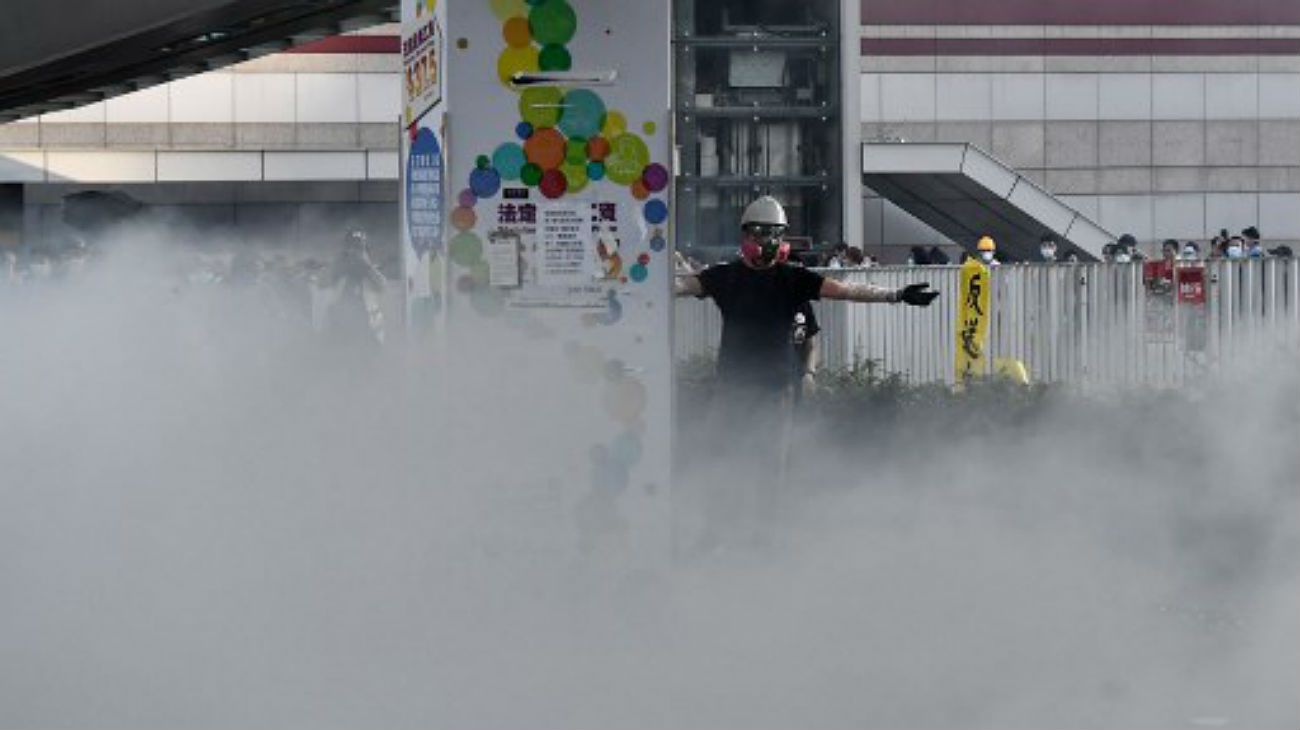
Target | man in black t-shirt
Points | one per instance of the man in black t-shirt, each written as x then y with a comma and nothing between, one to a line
803,334
759,298
760,295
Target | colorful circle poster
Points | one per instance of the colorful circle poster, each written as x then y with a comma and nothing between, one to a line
559,184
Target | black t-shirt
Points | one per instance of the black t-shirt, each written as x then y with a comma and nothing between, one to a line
758,308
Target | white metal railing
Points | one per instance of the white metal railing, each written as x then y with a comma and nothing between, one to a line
1076,323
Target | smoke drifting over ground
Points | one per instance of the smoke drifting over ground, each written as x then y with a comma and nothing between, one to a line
210,519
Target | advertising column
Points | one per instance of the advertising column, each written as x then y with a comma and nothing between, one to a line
423,156
561,175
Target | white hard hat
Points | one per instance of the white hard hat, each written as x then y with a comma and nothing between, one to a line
764,211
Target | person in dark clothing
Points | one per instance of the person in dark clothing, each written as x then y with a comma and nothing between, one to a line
356,316
760,294
759,297
919,256
1047,249
803,334
938,257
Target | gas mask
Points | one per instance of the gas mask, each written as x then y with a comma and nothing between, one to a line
761,245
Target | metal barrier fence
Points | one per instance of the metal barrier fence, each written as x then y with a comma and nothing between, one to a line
1093,324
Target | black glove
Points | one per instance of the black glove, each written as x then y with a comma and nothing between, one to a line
917,295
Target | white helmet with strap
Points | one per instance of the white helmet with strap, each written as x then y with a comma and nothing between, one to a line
764,224
764,211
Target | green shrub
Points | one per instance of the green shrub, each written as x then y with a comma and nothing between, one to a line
865,405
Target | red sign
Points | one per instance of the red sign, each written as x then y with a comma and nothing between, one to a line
1191,285
1156,270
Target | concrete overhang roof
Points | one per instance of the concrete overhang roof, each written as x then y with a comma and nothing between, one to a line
964,193
59,55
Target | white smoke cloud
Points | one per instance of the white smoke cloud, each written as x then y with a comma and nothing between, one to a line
209,519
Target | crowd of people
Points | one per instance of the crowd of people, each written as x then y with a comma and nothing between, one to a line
1248,244
342,295
1245,245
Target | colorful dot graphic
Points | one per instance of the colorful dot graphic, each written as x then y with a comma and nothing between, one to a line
509,160
566,138
656,211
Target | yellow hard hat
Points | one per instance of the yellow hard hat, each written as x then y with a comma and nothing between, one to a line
987,244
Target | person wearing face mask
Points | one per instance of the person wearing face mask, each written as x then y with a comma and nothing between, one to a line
1236,249
1159,275
1047,249
988,250
1191,252
1124,249
759,297
1253,248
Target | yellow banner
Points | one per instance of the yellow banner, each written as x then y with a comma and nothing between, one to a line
973,320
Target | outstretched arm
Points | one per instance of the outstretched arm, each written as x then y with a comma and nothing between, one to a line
688,285
866,293
686,281
917,295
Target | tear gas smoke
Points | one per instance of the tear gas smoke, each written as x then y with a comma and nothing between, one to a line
208,519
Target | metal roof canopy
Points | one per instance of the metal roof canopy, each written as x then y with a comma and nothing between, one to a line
55,56
964,193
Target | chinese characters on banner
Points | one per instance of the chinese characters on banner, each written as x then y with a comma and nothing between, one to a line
603,215
423,160
973,321
565,254
511,214
1191,285
1191,293
422,43
564,244
1167,322
424,192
